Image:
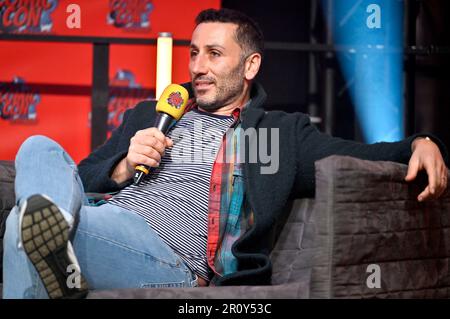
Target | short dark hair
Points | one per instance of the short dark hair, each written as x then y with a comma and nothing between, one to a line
248,34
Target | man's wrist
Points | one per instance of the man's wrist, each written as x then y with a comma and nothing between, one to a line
418,139
121,172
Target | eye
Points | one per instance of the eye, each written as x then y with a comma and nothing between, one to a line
215,53
193,53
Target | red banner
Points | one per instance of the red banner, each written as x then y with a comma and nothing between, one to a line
109,18
45,88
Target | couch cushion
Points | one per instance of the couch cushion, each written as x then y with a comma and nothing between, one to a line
367,214
7,175
292,254
291,257
7,199
286,291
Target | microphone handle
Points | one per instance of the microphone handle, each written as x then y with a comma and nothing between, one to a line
163,123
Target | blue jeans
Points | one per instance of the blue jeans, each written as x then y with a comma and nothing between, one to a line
115,247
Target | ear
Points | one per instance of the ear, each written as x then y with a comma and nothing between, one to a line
252,64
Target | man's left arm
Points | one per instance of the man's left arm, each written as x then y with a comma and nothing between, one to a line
419,151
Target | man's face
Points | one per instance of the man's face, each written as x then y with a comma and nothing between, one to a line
216,65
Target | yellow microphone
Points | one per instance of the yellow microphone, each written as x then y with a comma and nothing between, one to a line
170,108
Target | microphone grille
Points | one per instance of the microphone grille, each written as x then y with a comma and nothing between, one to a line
173,101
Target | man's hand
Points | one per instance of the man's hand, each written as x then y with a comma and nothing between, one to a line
426,155
146,147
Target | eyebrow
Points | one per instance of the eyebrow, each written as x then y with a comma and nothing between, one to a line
209,46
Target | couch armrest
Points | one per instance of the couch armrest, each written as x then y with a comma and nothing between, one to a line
7,200
367,214
7,175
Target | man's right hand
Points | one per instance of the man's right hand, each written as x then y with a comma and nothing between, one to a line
146,147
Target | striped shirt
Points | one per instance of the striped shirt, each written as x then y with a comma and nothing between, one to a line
173,198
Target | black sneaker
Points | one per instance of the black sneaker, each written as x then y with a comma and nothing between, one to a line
45,239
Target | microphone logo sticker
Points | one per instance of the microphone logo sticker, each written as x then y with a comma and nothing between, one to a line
175,100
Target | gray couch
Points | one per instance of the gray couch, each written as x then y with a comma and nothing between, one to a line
363,214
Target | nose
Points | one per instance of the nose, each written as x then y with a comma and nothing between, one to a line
199,65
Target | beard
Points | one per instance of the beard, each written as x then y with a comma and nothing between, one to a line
228,88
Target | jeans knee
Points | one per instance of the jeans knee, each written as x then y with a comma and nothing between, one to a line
34,144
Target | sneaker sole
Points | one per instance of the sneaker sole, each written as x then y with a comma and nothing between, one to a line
45,239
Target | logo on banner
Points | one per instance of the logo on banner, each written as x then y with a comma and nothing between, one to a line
125,94
130,14
17,101
26,16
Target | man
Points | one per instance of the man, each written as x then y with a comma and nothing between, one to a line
189,222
